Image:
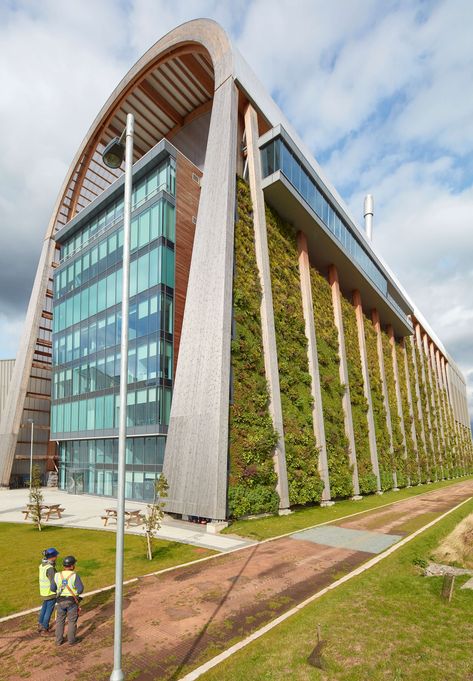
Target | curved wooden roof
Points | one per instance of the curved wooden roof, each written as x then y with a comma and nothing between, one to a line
172,84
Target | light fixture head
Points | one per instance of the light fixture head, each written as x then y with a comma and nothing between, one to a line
113,153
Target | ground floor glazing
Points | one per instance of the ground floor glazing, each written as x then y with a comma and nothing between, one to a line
91,466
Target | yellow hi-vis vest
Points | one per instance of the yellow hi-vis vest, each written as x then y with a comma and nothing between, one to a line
44,583
66,584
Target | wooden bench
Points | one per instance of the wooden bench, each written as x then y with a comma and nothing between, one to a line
135,517
110,514
46,511
53,509
29,510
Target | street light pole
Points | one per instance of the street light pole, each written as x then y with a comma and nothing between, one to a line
114,159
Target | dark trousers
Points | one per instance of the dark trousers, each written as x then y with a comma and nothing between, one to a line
66,608
46,612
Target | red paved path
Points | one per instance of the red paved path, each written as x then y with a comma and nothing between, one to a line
176,620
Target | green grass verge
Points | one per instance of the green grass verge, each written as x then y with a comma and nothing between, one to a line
273,526
95,553
389,623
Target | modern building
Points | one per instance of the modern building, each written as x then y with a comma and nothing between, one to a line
274,358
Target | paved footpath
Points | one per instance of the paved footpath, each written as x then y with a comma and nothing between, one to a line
173,621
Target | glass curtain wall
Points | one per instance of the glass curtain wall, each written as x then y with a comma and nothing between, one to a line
86,341
277,156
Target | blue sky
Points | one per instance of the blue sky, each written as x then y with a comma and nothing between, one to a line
382,92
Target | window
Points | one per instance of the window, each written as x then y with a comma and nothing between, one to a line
142,321
143,273
134,234
101,295
144,226
108,411
99,412
91,414
142,361
130,409
141,408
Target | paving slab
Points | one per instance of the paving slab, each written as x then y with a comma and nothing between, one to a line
356,540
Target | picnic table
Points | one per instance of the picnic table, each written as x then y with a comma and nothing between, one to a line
47,510
135,516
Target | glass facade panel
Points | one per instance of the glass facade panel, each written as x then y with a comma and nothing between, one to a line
89,466
87,335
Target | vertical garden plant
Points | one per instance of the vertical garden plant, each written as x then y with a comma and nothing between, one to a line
252,479
359,404
340,472
383,441
305,485
397,439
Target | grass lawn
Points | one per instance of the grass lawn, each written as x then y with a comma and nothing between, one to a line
273,526
95,552
388,624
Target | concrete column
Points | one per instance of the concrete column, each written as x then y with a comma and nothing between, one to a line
366,386
410,403
343,367
196,457
384,385
440,414
445,381
392,342
424,381
445,402
420,415
266,309
447,373
434,420
317,414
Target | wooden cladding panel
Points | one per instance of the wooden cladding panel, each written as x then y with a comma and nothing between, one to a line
187,203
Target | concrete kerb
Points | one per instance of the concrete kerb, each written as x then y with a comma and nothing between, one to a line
196,673
23,613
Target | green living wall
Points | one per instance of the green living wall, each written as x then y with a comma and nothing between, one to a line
431,462
434,419
450,440
412,469
414,377
450,437
397,439
383,442
441,426
252,479
305,485
341,484
468,450
359,403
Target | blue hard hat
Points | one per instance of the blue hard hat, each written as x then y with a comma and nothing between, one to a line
50,553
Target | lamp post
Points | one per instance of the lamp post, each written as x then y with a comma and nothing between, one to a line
113,157
31,452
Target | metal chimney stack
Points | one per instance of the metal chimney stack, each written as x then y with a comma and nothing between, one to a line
368,213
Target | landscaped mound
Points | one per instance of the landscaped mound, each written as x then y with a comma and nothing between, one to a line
457,547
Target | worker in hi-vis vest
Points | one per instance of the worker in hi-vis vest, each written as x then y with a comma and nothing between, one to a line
47,589
69,587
